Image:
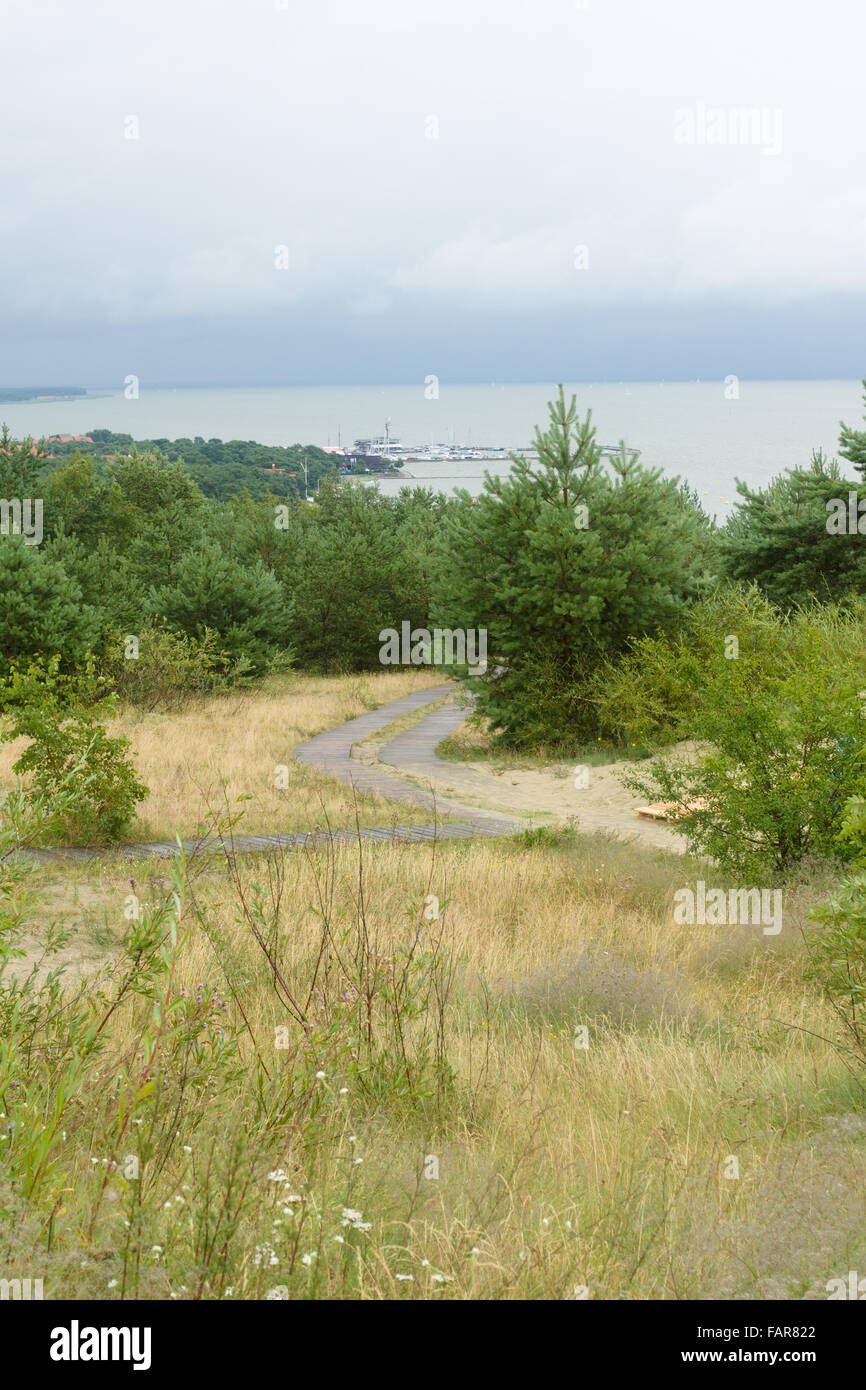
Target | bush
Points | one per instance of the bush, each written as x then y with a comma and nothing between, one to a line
782,736
652,694
69,751
838,950
170,669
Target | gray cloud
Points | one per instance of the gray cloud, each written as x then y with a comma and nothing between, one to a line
309,127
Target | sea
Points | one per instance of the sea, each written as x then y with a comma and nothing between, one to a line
709,433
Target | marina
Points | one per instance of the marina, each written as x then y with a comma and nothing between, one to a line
385,453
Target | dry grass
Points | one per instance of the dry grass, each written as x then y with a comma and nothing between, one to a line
233,744
559,1167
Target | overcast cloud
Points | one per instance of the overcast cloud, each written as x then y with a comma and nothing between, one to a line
463,186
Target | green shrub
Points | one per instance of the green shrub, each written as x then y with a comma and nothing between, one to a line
69,750
169,669
781,733
838,949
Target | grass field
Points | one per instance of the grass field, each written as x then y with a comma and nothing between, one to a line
220,748
487,1070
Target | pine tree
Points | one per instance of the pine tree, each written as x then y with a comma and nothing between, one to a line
42,613
777,537
211,592
852,443
562,564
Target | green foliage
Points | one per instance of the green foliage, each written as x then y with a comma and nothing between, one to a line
42,611
780,727
838,949
852,443
69,750
777,538
352,574
171,669
652,693
246,608
556,595
20,465
545,837
222,469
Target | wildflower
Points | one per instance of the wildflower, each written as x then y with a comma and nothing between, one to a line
320,1076
277,1176
410,1277
112,1283
308,1258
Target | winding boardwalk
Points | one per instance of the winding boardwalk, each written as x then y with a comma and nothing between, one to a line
414,750
331,752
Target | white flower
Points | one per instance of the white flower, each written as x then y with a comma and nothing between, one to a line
424,1263
410,1277
277,1176
344,1091
320,1076
357,1160
355,1219
339,1240
475,1250
187,1149
112,1283
229,1291
308,1258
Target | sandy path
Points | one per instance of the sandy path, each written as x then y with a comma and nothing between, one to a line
537,795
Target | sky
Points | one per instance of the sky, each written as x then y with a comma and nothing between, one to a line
276,192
